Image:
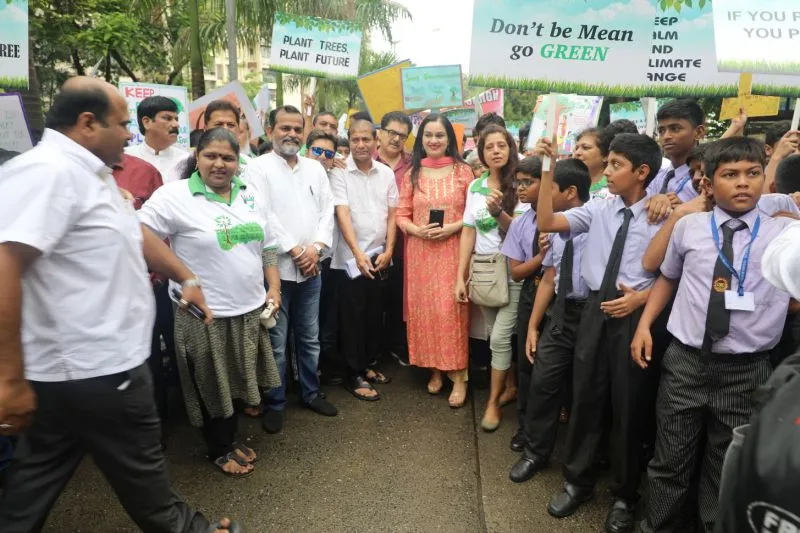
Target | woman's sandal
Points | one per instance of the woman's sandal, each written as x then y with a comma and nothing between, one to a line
437,386
358,382
221,461
377,378
245,452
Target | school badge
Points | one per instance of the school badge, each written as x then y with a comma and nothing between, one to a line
720,285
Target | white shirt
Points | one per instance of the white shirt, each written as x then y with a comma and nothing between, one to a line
88,307
369,197
298,203
169,161
477,216
221,243
780,263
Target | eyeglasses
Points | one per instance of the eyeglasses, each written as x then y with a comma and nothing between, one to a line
522,184
392,133
318,151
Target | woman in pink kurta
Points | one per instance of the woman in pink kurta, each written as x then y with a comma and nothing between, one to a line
438,326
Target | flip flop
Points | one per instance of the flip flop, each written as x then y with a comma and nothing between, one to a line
247,451
221,461
378,378
358,382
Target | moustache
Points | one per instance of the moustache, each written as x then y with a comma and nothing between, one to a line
174,130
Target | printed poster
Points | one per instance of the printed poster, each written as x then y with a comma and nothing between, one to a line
381,90
629,48
134,93
14,132
14,44
489,101
234,93
576,113
758,37
632,111
314,46
432,87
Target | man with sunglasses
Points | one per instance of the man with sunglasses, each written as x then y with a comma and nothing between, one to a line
395,129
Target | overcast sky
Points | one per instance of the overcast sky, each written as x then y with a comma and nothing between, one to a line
438,34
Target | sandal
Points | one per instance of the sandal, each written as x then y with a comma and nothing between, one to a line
358,382
377,378
220,463
245,452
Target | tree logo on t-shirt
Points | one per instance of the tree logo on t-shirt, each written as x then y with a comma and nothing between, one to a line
229,235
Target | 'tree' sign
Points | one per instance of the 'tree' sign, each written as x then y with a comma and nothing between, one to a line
315,47
14,44
761,36
627,48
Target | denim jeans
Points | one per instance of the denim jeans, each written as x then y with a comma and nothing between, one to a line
300,309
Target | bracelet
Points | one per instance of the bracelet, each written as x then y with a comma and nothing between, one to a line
302,252
192,282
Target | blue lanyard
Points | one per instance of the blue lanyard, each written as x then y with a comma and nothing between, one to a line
742,274
682,183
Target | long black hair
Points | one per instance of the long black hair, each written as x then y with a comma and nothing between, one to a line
213,135
418,154
509,170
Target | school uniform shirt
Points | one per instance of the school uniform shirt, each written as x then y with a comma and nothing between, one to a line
680,184
781,262
369,195
772,203
477,216
88,307
169,162
518,244
601,219
220,241
298,203
691,256
580,291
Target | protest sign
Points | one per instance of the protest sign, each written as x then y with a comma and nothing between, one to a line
575,114
234,93
464,116
796,115
14,44
754,106
489,101
381,90
761,36
315,47
14,132
432,87
134,93
647,48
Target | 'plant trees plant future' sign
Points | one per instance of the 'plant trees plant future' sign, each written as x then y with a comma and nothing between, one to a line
315,47
629,48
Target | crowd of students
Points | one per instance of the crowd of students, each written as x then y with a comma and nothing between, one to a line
620,288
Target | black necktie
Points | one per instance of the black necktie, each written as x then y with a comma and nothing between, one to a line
608,289
564,287
669,176
718,320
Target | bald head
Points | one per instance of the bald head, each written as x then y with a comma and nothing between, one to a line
94,114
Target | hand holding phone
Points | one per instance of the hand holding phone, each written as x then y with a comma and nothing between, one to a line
436,216
192,308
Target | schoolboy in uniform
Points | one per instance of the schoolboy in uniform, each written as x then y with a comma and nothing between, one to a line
681,125
552,361
521,246
725,319
619,233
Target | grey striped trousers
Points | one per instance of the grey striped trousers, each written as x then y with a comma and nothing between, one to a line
701,399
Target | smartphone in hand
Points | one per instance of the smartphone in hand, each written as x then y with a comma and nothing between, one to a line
193,309
436,216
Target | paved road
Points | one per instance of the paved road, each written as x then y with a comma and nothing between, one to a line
408,463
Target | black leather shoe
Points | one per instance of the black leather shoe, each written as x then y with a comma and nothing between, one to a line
569,500
272,421
526,468
322,406
620,517
518,442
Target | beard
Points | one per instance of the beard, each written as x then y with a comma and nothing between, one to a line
287,147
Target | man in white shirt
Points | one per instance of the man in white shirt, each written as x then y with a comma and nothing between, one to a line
158,122
366,202
299,205
68,236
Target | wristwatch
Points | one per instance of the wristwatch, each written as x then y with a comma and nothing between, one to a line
192,282
319,248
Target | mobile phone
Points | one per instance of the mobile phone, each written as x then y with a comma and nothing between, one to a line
193,309
436,216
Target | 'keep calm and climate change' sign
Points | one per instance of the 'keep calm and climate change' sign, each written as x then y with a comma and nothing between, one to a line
627,48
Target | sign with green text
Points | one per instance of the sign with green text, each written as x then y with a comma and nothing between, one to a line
315,47
630,48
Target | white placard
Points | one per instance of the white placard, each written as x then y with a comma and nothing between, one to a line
14,132
552,118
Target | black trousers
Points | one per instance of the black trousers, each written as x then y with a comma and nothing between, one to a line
603,366
328,319
219,434
395,333
114,419
552,371
163,327
701,399
360,316
524,368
